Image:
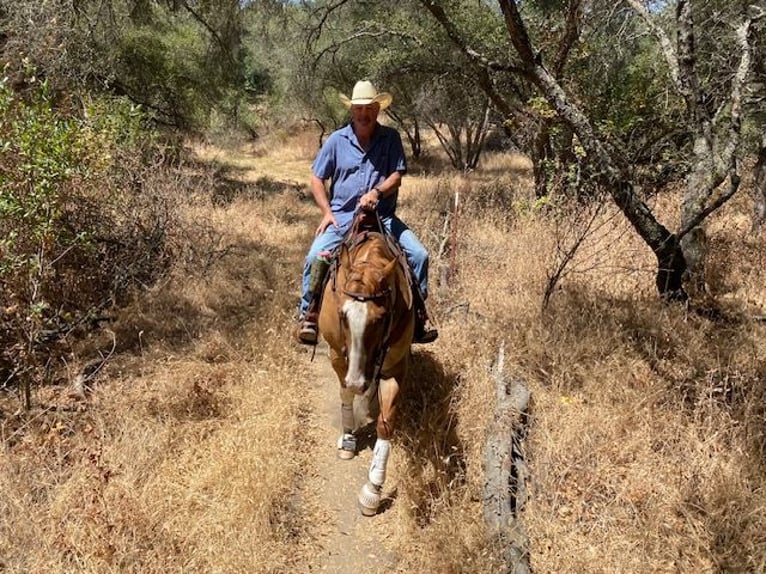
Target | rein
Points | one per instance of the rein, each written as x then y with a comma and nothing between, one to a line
383,351
388,323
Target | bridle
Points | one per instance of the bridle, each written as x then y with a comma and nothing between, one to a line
362,298
381,294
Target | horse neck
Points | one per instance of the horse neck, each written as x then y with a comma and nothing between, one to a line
372,254
372,250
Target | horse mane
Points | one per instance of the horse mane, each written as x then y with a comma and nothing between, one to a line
367,258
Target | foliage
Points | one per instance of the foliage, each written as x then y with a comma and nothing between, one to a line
180,60
73,242
275,67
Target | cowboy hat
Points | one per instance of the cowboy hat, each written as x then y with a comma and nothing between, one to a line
365,93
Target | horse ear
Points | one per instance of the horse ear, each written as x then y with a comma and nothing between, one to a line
390,266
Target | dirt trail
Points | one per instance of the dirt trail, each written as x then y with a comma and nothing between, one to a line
350,542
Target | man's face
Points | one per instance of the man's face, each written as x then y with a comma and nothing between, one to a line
365,116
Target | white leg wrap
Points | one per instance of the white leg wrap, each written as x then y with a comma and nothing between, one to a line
377,473
346,446
369,499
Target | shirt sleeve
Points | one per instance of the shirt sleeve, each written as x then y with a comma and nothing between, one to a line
324,163
398,159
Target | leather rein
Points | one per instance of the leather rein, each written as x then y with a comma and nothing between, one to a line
387,318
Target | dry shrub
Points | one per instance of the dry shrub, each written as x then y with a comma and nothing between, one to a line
90,214
188,452
646,439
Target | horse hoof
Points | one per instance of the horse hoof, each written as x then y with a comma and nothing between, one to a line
369,499
346,454
346,446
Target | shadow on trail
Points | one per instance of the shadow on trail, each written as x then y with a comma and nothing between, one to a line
428,437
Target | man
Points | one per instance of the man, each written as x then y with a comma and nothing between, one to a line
365,163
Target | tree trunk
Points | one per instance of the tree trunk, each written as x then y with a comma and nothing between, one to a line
413,133
475,141
759,191
694,242
505,471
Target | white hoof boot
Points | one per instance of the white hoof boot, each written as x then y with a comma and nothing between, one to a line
346,446
369,499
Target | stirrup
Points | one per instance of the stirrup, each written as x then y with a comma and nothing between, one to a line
308,333
425,336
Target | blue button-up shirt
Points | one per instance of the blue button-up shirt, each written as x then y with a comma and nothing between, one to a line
354,172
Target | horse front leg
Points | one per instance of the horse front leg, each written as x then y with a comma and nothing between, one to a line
347,439
370,495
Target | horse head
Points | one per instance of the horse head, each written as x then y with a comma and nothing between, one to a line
366,305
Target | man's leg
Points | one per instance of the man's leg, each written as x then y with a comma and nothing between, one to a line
417,256
309,303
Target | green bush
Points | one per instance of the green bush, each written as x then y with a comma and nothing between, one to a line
78,227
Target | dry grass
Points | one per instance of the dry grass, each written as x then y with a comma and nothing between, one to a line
186,454
647,431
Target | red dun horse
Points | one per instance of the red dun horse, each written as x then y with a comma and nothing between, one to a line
368,322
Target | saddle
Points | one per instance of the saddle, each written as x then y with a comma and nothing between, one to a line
325,269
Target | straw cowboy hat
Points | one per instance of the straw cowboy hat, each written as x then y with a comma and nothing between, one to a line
365,93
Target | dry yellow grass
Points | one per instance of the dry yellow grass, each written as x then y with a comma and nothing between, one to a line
193,451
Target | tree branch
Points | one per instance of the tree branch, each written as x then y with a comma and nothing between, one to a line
365,33
315,32
482,65
571,34
665,44
740,77
734,180
213,32
457,39
686,57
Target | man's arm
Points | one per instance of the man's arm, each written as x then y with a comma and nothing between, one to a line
370,199
323,202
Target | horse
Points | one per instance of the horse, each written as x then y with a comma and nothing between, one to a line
368,320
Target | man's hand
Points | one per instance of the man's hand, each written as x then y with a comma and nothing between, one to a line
369,201
327,220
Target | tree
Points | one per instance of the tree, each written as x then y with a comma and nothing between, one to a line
713,119
399,47
179,59
274,57
606,164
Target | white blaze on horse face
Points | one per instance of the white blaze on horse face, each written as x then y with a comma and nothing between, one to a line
356,315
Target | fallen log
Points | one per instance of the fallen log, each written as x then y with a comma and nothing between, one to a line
505,471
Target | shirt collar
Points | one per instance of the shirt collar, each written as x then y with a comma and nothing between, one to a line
348,132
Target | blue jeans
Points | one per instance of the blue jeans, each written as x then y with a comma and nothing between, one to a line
417,256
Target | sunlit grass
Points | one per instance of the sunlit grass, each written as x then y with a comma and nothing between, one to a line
646,434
